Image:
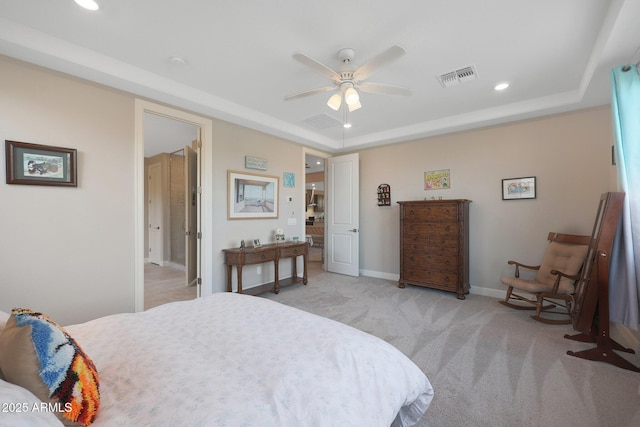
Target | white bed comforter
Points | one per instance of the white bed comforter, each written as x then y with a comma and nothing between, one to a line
236,360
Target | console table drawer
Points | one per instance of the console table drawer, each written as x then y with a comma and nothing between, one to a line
293,251
258,257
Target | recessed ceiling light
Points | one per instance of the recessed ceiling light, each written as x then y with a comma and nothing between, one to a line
501,86
346,125
318,162
88,4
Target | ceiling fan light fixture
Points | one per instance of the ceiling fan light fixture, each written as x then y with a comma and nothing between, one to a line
335,101
351,96
354,106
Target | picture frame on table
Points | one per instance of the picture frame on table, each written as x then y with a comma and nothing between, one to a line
37,164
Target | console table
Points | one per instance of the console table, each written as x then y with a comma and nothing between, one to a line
267,253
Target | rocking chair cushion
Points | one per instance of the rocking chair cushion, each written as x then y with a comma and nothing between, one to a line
533,286
565,258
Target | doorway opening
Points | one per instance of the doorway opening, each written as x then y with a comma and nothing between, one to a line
314,208
177,142
171,174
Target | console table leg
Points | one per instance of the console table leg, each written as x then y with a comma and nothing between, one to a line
229,271
304,271
239,270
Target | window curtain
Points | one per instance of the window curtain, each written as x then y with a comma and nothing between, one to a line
624,278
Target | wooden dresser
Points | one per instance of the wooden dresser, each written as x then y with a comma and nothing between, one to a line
434,245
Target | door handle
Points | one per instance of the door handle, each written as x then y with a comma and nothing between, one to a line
354,230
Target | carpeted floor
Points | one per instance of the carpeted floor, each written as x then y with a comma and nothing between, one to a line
489,365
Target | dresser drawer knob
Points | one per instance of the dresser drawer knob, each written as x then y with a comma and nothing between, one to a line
262,256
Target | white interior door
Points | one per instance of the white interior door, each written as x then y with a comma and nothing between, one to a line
343,208
155,214
191,214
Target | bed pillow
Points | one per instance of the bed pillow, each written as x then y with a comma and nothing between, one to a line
39,355
3,320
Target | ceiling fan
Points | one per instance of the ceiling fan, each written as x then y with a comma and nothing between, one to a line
347,82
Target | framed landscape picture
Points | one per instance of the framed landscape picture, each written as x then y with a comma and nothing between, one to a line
251,196
35,164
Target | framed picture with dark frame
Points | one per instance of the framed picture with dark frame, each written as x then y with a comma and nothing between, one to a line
36,164
519,188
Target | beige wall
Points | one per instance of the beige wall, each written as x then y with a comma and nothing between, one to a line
569,154
231,143
68,251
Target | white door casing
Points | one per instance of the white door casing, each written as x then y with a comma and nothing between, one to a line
343,233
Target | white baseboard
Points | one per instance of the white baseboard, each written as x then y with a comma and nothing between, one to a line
475,290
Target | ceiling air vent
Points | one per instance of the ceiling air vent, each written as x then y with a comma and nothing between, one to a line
321,121
456,77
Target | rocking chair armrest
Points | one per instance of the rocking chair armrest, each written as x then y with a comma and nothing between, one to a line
518,264
560,275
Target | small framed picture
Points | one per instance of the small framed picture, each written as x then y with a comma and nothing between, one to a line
35,164
519,188
289,179
256,243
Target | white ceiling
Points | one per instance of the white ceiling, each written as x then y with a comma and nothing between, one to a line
239,67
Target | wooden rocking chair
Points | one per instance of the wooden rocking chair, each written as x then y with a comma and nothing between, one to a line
555,279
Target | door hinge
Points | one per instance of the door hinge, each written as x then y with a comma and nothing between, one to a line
199,281
199,234
199,190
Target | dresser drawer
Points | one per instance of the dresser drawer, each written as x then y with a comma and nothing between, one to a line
444,247
431,228
437,212
430,242
424,276
431,261
259,257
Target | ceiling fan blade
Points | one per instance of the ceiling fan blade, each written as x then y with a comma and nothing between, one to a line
382,59
309,92
316,65
383,89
